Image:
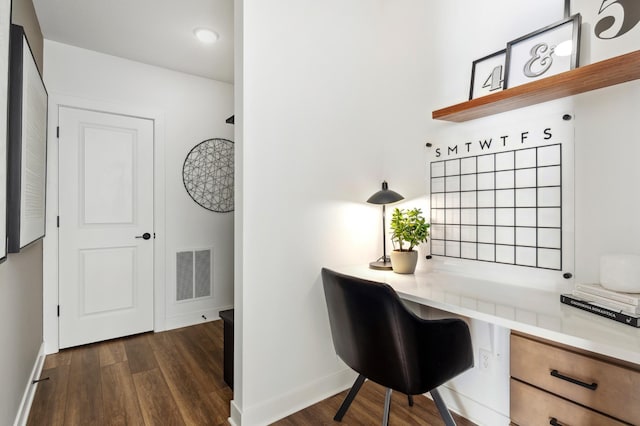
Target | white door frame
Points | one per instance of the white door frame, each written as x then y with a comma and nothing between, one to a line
50,244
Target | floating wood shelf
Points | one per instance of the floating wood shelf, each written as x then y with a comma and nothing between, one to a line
583,79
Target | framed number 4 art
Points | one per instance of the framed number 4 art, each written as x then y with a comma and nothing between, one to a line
487,74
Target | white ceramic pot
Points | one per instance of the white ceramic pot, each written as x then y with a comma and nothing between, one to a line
620,272
404,262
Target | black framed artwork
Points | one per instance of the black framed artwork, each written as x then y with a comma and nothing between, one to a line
543,53
487,74
5,26
27,145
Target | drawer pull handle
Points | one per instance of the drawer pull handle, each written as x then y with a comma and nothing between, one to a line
554,422
591,386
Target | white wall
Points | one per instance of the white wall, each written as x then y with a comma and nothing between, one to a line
238,233
335,97
20,326
607,175
315,113
190,110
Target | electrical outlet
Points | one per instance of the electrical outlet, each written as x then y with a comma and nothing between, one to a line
484,359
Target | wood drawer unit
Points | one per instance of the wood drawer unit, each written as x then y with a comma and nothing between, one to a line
532,406
574,376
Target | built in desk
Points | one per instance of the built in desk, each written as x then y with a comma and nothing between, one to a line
602,354
527,310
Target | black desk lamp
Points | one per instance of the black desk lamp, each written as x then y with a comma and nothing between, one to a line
384,196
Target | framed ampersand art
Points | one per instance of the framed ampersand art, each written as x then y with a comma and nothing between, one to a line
543,53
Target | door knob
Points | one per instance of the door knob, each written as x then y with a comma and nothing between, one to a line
144,236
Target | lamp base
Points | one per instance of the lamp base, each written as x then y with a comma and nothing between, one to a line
381,264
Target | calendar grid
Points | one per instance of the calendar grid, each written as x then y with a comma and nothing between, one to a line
503,207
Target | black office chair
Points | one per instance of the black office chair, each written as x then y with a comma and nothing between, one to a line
377,336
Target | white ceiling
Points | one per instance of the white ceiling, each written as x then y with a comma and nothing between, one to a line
155,32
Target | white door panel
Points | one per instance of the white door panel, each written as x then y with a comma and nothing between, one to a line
108,173
106,201
107,280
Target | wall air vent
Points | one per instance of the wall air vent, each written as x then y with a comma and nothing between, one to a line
193,274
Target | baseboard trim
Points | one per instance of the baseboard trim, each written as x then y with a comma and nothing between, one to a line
290,402
235,418
470,409
192,318
27,398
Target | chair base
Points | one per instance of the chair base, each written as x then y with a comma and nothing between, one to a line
387,407
349,399
344,407
442,408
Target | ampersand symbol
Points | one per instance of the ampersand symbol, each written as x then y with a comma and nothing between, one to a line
541,54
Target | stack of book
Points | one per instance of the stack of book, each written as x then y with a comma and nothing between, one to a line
621,307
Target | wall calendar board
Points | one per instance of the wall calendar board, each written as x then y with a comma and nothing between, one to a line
504,195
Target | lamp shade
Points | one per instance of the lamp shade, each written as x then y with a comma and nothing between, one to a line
385,196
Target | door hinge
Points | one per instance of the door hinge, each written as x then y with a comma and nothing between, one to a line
58,310
58,221
58,132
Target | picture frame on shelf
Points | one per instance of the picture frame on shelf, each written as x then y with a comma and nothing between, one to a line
27,143
487,74
549,51
5,28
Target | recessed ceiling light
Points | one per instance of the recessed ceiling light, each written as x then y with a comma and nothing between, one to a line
206,35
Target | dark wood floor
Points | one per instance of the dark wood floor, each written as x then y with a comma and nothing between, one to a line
367,409
175,378
168,378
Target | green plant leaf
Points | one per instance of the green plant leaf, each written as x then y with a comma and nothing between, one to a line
408,226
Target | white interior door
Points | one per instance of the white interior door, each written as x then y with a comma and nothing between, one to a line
105,209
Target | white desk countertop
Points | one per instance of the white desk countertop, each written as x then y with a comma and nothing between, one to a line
528,310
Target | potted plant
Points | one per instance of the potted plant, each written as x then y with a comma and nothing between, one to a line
409,229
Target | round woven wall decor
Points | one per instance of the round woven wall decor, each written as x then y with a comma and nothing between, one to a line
207,174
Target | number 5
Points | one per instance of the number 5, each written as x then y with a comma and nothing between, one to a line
630,18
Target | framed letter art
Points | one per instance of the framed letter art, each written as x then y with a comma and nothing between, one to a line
543,53
487,74
27,146
5,25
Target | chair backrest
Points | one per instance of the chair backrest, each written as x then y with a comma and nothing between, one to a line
377,336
